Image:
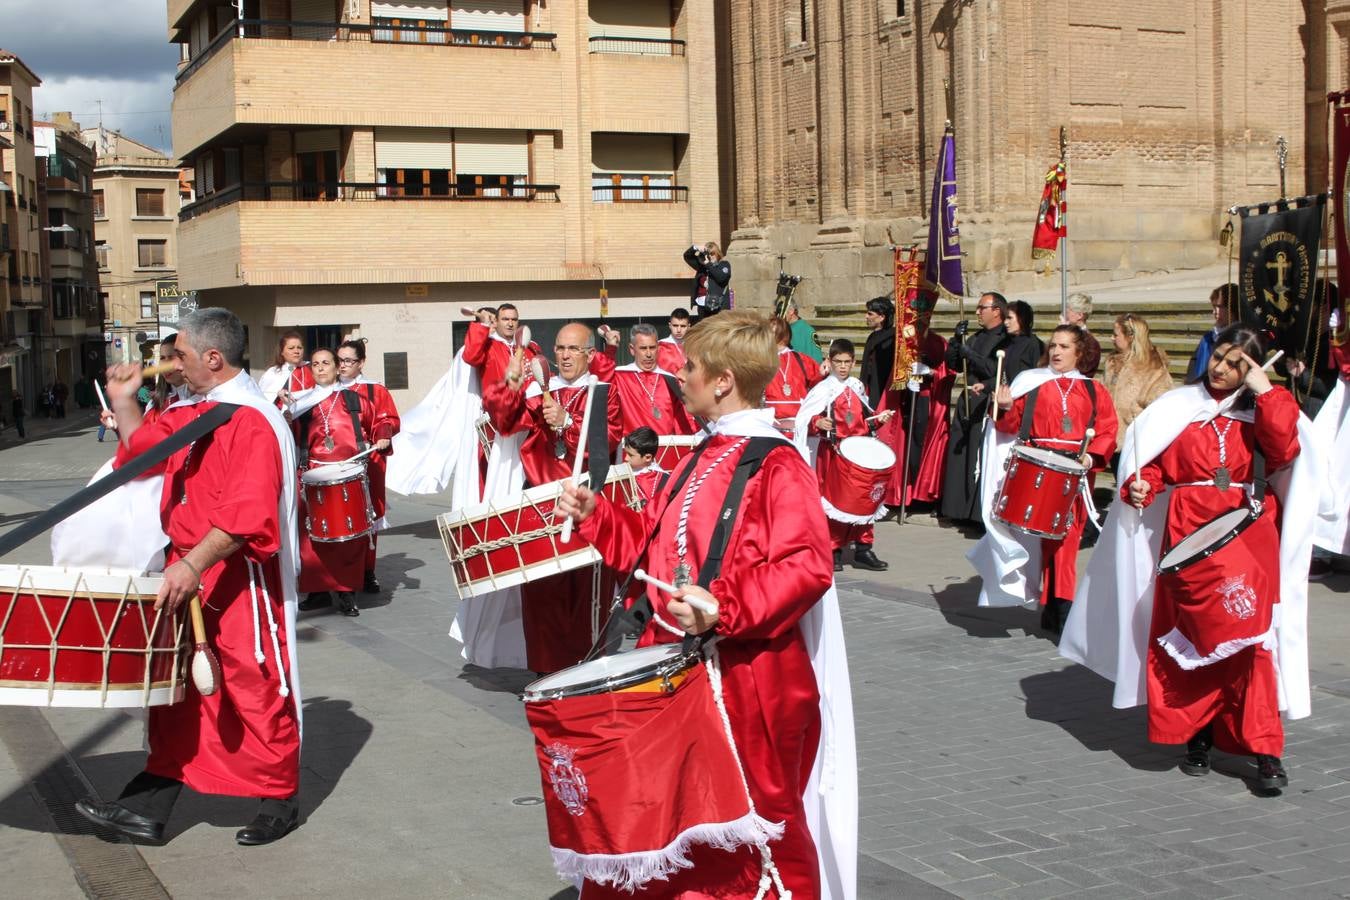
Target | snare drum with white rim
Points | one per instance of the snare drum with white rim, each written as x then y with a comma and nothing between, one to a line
1206,540
337,502
1038,492
659,667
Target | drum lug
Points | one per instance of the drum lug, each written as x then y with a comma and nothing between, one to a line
1002,504
1054,523
666,686
318,498
344,499
1012,466
1026,516
1040,477
323,526
1068,487
349,523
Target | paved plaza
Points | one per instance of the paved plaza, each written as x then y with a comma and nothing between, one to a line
989,767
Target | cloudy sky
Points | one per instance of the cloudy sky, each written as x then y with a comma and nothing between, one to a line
116,51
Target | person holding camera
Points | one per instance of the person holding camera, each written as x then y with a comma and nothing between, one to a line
712,276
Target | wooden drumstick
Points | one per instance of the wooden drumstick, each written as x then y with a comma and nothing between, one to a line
537,367
697,603
469,311
522,340
158,369
580,456
102,400
205,666
1138,467
1087,439
998,380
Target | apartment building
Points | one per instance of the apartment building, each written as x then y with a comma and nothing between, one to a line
70,345
135,207
369,167
20,282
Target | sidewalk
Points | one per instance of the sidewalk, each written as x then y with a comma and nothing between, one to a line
43,428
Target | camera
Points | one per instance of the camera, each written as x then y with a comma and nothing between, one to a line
787,284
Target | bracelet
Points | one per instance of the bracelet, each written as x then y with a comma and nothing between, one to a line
184,561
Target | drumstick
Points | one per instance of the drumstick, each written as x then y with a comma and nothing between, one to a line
998,380
205,666
1138,469
102,400
697,603
469,311
537,368
158,369
522,339
580,455
362,455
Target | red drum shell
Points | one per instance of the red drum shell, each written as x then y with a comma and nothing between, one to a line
337,503
71,639
856,481
671,448
1038,492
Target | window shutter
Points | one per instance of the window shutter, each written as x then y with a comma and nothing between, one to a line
413,148
488,15
490,151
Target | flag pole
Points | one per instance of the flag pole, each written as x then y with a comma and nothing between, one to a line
1063,223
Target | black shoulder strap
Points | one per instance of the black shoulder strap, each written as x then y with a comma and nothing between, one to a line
195,430
370,393
352,401
748,465
302,440
1092,398
1028,410
801,367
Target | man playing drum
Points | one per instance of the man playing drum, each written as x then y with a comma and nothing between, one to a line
490,343
648,394
351,364
796,374
228,508
773,574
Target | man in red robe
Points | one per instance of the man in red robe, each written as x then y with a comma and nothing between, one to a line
555,611
351,361
224,509
929,404
490,347
797,373
670,354
648,394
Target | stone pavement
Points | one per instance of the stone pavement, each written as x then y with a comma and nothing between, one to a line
989,767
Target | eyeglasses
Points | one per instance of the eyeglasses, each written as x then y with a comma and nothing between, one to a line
347,360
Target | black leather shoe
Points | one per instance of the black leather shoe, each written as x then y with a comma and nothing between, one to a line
865,558
1197,752
265,829
346,601
1270,774
116,817
839,560
372,585
316,600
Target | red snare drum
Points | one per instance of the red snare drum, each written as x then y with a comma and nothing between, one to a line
671,448
1038,492
87,639
511,540
856,481
337,503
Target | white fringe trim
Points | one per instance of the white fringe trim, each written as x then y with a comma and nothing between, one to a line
1183,652
833,512
630,871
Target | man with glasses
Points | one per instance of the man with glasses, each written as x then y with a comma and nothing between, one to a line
555,611
976,357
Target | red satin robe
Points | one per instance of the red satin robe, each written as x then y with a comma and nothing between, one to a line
775,569
937,389
645,398
340,566
1059,559
797,374
555,611
386,424
243,740
647,481
302,378
849,414
1239,693
490,354
670,355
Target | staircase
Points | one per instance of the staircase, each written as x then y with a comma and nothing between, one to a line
1174,326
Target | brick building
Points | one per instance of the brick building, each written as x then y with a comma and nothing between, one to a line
368,167
20,234
1172,109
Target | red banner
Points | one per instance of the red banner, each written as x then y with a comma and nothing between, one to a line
1050,224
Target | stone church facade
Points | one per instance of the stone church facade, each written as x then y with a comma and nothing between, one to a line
833,110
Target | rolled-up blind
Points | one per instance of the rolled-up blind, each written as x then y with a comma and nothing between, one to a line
413,148
317,140
488,15
404,10
491,151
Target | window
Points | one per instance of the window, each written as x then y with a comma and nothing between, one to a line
149,202
4,120
899,9
99,211
147,304
101,253
150,254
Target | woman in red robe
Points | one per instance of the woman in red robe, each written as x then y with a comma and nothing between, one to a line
1228,698
776,567
328,432
795,374
351,362
1067,405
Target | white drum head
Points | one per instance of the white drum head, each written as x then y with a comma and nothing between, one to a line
332,473
867,452
678,440
1050,459
603,668
1204,537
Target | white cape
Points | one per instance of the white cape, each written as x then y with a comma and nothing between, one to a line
131,511
1008,561
1108,625
1333,429
816,401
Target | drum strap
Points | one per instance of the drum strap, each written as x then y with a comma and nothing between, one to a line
1030,410
195,430
630,621
673,384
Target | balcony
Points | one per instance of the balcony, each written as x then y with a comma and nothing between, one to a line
636,46
232,239
257,78
635,187
354,191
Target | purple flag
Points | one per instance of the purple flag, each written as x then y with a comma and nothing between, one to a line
943,266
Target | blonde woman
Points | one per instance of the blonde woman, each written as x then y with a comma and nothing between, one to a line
1136,374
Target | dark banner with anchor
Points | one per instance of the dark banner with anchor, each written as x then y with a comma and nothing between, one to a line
1279,254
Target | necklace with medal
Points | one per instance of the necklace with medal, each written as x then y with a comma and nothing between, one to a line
783,374
651,395
1223,478
328,442
683,573
560,446
1066,423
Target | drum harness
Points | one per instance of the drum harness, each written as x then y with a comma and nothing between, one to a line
352,401
1024,437
623,622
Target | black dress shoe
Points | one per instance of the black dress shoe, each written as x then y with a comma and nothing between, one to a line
116,817
1270,774
316,600
372,585
1197,752
265,829
865,558
346,601
839,560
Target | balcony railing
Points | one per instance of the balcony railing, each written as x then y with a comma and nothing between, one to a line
382,31
343,191
635,187
637,46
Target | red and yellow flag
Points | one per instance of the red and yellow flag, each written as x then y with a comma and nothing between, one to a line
1050,222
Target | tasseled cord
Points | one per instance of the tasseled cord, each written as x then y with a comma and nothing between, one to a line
255,575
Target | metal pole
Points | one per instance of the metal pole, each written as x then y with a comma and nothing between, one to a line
1064,224
904,462
1282,156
